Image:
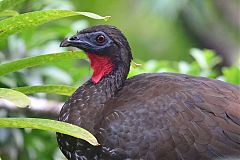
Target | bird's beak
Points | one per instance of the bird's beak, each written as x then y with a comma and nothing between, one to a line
74,41
65,43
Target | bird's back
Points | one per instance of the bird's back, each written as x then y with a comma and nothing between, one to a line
172,116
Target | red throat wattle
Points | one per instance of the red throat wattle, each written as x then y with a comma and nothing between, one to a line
101,65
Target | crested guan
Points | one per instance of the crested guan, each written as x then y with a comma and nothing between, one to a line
153,116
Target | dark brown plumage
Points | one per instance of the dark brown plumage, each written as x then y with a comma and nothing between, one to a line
158,116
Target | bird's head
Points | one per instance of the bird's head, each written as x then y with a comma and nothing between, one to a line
106,47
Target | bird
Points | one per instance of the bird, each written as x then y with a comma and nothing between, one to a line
150,116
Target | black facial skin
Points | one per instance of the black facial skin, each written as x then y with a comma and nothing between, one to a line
95,42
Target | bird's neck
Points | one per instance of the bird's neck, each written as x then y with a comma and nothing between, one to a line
87,103
101,65
107,72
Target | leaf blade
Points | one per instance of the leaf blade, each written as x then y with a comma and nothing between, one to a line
49,125
55,89
232,74
38,60
94,16
8,4
32,19
18,98
7,13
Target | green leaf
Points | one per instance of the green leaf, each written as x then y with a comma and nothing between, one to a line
211,58
7,4
18,98
207,59
55,89
135,65
232,74
93,15
198,55
32,19
49,125
38,60
7,13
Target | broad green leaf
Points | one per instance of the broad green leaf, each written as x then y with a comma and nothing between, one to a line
205,58
32,19
7,13
199,57
8,4
49,125
55,89
18,98
232,74
211,58
38,60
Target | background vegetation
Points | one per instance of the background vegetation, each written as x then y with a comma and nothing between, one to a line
163,34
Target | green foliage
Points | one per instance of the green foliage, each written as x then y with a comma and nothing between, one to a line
54,89
204,64
18,98
231,74
49,125
39,145
165,38
33,19
8,4
7,13
26,21
38,60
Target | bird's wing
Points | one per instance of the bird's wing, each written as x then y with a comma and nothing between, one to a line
157,116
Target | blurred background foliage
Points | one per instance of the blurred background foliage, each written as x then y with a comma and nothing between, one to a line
162,34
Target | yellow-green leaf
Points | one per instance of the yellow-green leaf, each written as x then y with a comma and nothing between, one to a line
8,4
232,74
38,60
55,89
32,19
94,16
18,98
135,65
7,13
49,125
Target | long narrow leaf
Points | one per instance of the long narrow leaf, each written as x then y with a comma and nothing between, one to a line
18,98
32,19
55,89
49,125
8,4
93,15
7,13
38,60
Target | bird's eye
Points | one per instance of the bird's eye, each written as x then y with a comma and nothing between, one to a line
100,38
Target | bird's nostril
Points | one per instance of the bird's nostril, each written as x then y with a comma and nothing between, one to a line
73,38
